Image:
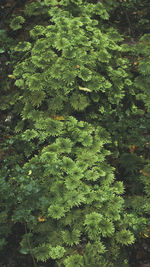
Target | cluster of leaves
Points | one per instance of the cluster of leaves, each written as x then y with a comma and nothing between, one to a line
78,133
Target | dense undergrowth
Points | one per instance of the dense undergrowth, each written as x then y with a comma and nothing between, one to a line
74,130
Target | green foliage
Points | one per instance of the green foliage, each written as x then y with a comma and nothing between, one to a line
125,237
75,151
23,46
74,260
71,238
17,22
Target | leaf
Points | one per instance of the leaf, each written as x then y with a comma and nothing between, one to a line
41,219
2,50
24,251
132,148
135,63
17,22
30,172
11,76
57,118
84,89
145,173
146,234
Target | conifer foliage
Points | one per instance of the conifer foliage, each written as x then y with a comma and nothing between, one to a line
77,89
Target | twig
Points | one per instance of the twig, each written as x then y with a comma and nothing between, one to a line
128,20
30,248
